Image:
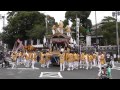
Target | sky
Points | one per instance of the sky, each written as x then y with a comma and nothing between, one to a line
60,15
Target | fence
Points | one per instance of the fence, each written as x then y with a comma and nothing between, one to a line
100,48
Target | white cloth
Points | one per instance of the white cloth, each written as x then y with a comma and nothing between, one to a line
108,55
87,64
48,63
62,66
68,34
33,63
53,31
94,62
61,31
76,64
82,64
114,55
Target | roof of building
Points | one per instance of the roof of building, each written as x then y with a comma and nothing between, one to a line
57,35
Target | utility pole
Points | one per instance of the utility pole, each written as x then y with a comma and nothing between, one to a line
116,14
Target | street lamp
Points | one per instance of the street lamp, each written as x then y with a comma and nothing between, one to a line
116,14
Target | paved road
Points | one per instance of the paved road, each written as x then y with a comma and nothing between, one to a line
42,73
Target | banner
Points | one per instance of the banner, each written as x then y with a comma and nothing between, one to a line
0,42
31,42
38,41
25,42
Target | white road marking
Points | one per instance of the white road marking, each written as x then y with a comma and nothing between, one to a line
50,75
24,68
116,68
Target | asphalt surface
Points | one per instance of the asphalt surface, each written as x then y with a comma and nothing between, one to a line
53,73
22,73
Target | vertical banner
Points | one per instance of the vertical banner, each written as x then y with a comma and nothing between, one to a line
77,29
5,46
31,42
38,41
25,42
0,42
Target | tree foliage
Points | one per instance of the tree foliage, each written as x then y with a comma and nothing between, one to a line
108,30
83,15
25,25
85,22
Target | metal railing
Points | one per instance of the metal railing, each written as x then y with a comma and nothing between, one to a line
100,48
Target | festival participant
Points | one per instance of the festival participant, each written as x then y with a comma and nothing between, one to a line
101,59
34,57
86,57
27,58
76,58
30,58
68,30
99,63
94,59
70,61
19,54
42,59
14,56
62,61
48,56
66,59
90,60
24,58
82,60
61,27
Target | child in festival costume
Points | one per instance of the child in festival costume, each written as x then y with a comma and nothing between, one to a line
109,71
102,74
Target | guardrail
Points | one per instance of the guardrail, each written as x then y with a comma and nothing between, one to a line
100,48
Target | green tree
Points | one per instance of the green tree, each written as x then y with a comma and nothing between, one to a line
108,30
24,25
83,15
51,22
65,22
85,23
